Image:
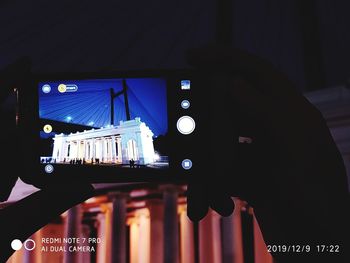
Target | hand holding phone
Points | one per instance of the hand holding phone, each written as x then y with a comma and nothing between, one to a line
292,173
11,78
113,127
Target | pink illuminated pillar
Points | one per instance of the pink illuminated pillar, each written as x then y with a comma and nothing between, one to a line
104,231
72,230
118,227
232,247
156,209
186,238
210,239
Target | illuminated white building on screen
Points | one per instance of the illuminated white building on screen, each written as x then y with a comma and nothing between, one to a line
130,140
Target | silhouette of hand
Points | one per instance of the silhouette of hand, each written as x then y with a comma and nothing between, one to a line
292,174
23,218
10,79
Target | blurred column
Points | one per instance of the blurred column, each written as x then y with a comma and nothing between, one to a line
171,224
144,236
118,227
38,254
210,239
157,226
134,235
104,231
33,256
86,257
247,233
101,233
232,247
72,230
29,256
140,237
186,236
54,230
260,251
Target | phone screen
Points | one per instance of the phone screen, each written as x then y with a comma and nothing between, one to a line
114,122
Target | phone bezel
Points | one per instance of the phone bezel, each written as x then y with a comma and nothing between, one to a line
183,145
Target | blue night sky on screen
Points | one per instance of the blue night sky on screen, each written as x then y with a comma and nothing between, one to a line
90,105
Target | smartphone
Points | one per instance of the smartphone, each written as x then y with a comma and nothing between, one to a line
112,127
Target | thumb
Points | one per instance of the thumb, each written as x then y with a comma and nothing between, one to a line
221,201
197,201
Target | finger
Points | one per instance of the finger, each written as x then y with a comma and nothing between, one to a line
10,78
222,203
12,75
254,111
260,72
7,183
197,201
235,94
9,141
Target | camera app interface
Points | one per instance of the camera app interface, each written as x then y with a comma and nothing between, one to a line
111,122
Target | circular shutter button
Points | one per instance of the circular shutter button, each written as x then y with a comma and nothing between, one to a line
186,125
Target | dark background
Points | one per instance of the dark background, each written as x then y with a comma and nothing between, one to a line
308,40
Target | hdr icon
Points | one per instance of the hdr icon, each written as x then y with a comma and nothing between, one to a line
17,244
